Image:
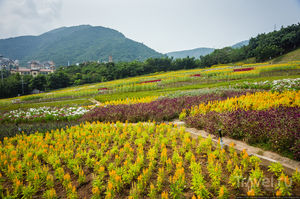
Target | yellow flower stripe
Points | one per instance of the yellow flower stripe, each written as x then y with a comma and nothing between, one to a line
256,101
131,101
131,84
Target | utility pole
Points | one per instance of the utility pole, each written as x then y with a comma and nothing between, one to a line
22,85
2,73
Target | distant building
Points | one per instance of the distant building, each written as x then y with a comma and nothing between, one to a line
8,63
35,68
110,60
34,64
49,65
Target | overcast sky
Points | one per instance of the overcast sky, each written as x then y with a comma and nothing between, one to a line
164,25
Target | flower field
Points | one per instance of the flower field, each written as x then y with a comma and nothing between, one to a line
166,80
43,114
89,141
262,117
255,101
164,109
130,101
115,160
275,85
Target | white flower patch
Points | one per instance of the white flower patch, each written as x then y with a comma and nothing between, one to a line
44,112
275,85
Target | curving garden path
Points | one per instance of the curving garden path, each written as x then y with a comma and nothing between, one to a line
267,157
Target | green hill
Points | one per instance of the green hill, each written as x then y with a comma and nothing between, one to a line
291,56
75,44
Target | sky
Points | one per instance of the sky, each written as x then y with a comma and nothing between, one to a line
163,25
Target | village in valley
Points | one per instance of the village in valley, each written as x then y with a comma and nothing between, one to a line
34,67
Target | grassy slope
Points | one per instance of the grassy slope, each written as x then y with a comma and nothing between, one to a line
159,92
291,56
83,100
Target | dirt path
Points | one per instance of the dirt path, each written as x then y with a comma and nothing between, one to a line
95,101
266,156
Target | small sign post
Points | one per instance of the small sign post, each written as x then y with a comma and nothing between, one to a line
221,138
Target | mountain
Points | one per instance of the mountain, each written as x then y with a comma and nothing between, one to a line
191,53
240,44
75,44
197,52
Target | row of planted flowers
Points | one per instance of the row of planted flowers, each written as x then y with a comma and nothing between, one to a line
42,114
130,101
267,118
45,114
275,85
164,109
254,101
103,160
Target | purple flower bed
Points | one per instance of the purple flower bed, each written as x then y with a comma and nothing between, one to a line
279,128
164,109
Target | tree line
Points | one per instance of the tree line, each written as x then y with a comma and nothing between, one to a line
90,72
262,47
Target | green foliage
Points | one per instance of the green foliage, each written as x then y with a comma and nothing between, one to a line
58,79
223,192
9,130
255,161
28,191
256,176
296,177
50,194
276,168
284,187
236,177
39,82
291,56
12,85
263,47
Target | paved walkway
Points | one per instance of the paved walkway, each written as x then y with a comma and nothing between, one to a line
266,156
95,101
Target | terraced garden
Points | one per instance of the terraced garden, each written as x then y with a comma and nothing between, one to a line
89,141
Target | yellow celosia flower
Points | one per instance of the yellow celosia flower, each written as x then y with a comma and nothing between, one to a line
67,177
95,190
110,186
52,193
251,192
278,193
164,195
256,101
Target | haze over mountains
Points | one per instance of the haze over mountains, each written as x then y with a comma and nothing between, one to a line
197,52
82,43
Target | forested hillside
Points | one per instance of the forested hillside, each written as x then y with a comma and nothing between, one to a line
75,45
265,46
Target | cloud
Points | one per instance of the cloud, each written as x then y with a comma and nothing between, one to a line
21,17
167,25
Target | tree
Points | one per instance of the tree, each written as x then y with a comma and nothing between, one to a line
39,82
58,80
